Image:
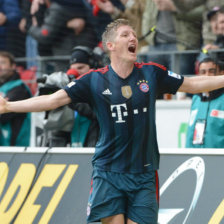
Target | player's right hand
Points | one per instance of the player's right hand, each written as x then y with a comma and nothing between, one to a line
2,105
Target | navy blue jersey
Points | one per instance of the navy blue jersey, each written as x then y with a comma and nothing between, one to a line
125,109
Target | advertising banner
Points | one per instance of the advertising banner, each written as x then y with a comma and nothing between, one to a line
52,186
44,187
191,189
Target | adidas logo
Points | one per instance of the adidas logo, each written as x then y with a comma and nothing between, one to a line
107,92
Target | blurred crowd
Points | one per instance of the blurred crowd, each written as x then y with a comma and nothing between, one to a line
34,29
31,28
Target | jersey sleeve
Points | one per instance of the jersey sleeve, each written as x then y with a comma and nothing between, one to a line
168,81
79,90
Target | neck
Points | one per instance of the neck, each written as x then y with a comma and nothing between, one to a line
122,68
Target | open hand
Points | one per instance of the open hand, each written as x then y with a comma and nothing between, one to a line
210,47
106,6
2,105
77,24
35,6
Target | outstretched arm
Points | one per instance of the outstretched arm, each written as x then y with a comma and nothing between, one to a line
35,104
199,84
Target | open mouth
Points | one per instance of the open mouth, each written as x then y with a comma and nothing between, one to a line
132,48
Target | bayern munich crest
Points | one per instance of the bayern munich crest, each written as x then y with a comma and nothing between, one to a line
143,86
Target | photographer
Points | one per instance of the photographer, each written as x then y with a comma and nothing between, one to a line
74,125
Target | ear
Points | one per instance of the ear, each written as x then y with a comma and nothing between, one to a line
110,46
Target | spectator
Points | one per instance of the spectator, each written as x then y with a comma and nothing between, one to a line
65,25
209,26
174,31
187,5
219,42
220,22
14,127
38,10
212,18
11,39
133,12
215,17
30,42
206,123
98,16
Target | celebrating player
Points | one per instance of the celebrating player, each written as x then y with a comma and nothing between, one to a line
124,186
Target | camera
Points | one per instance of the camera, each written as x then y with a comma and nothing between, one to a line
48,84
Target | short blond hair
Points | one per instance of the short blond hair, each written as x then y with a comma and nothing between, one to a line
109,33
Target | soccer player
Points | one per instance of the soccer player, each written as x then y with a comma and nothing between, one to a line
124,180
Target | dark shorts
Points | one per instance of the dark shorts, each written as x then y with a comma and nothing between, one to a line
134,195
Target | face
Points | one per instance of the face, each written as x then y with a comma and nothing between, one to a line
80,67
125,44
6,68
220,23
214,24
208,69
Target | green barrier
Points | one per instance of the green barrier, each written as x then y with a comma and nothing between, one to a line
182,135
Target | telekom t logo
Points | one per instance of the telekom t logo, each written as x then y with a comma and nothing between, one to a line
118,112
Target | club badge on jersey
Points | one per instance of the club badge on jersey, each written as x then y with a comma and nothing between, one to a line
143,86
